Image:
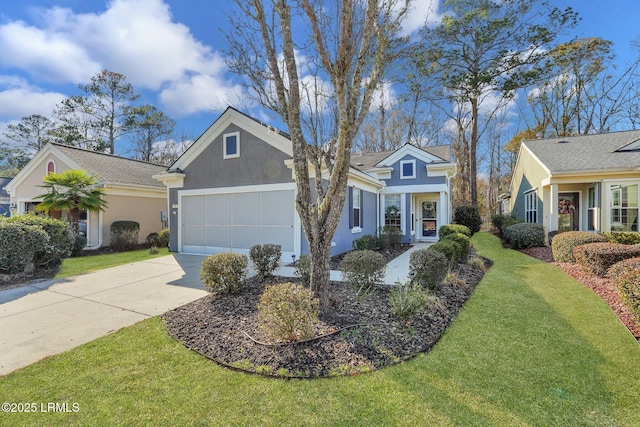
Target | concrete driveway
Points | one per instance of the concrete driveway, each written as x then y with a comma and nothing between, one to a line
53,316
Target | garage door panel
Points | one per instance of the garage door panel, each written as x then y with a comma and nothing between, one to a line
219,236
246,209
218,210
194,235
277,208
193,210
245,236
282,236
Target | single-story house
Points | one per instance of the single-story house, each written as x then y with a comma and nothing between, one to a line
130,191
5,201
235,188
587,182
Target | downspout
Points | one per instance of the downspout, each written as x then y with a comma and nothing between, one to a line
450,195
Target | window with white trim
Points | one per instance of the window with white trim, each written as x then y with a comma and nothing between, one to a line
531,206
407,169
51,167
231,145
392,211
591,209
356,208
624,207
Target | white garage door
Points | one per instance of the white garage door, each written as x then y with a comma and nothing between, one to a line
234,222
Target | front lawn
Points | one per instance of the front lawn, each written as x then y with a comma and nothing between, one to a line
531,347
86,264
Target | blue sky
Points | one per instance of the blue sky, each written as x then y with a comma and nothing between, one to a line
171,51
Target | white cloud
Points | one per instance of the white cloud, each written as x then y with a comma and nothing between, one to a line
19,99
198,93
420,12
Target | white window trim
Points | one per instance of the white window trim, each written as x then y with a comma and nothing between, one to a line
55,167
224,145
528,196
356,229
404,162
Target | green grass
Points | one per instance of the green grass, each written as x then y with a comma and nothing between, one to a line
531,347
86,264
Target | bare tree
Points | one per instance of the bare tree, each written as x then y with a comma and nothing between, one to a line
30,134
353,41
149,125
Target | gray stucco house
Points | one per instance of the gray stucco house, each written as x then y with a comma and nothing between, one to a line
235,188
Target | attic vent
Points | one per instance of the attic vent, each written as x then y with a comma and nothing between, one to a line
563,141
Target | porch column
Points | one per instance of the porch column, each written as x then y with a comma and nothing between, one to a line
553,208
443,212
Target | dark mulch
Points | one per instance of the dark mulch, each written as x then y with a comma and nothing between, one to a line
601,286
388,255
369,335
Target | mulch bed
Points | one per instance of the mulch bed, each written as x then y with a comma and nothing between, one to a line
599,285
361,336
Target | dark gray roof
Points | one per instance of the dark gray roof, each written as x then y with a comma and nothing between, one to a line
588,152
365,161
110,169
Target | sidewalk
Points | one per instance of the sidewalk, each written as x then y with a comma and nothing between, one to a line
398,268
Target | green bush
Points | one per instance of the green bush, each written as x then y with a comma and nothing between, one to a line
78,245
463,241
389,237
450,249
498,220
469,216
551,235
563,244
447,229
624,237
61,239
363,269
597,258
622,267
626,278
508,222
303,269
525,235
124,235
428,267
164,237
366,242
152,240
407,300
265,258
288,312
224,272
18,243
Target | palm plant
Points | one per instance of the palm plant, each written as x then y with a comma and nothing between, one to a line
74,191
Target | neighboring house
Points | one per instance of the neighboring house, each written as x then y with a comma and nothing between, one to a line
588,182
235,188
130,191
5,201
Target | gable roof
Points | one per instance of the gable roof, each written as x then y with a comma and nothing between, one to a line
366,161
600,152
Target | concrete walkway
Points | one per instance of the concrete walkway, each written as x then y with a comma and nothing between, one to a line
54,316
398,268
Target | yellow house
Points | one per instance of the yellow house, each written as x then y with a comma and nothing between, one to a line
587,182
130,191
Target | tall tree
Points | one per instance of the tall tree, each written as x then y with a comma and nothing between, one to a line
102,114
74,191
348,44
150,125
485,46
31,133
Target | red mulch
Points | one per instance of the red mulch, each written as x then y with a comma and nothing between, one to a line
599,285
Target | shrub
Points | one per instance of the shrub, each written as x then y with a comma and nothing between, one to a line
265,258
628,283
551,235
78,245
622,267
363,269
389,237
124,235
303,268
498,219
624,237
18,243
164,237
152,239
478,263
508,222
449,248
596,258
153,250
407,300
463,241
61,239
428,267
288,312
563,244
447,229
469,216
224,272
367,242
525,235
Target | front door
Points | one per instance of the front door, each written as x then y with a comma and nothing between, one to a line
429,218
568,211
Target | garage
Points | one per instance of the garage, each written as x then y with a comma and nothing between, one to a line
220,222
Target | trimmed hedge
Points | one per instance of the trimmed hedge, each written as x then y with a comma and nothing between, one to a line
447,229
508,222
18,243
428,267
622,267
224,272
389,237
625,275
265,258
366,242
124,235
597,258
525,235
469,216
563,244
463,241
624,237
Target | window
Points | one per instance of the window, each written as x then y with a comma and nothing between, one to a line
392,212
591,209
51,167
407,169
231,142
624,207
356,208
531,206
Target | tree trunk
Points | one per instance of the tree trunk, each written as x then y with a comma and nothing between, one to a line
473,146
320,273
